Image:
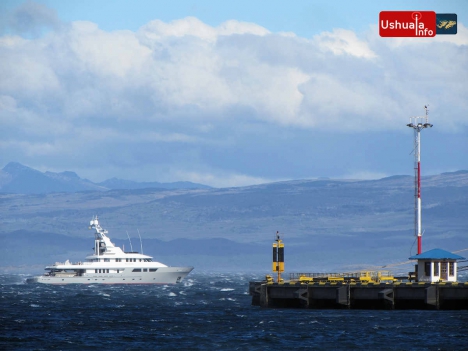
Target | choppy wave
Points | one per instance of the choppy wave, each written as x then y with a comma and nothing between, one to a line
208,311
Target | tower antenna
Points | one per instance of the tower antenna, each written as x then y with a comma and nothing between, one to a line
418,124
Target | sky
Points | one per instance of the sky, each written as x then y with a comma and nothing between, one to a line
228,93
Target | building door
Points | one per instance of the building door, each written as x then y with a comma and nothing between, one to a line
443,270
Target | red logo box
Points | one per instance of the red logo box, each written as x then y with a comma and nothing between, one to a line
418,24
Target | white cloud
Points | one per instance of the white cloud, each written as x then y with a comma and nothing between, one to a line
188,70
365,175
7,103
31,149
221,179
25,68
157,30
78,87
342,41
107,54
236,27
336,103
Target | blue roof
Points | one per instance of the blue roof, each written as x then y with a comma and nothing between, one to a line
436,254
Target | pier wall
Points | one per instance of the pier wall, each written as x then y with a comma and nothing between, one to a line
342,295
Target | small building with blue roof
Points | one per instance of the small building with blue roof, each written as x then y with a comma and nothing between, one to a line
436,265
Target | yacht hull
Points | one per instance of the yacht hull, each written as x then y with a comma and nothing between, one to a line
164,275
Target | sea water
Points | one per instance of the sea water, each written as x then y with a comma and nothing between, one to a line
207,311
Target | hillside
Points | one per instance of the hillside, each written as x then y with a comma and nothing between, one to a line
19,179
332,220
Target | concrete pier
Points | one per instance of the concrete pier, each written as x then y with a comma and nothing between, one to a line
357,295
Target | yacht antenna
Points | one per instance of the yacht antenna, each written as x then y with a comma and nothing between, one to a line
141,243
131,248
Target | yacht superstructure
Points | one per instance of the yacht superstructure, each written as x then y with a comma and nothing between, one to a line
109,264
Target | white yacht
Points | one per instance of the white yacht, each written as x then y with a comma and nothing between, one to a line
111,265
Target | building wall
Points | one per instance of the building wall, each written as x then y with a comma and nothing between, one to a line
437,270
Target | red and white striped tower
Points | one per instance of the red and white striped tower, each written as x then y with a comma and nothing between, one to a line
418,124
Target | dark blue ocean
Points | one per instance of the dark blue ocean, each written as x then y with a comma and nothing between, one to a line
208,311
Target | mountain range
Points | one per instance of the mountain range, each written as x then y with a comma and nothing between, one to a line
20,179
326,224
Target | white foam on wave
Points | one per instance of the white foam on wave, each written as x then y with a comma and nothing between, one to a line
172,294
226,289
